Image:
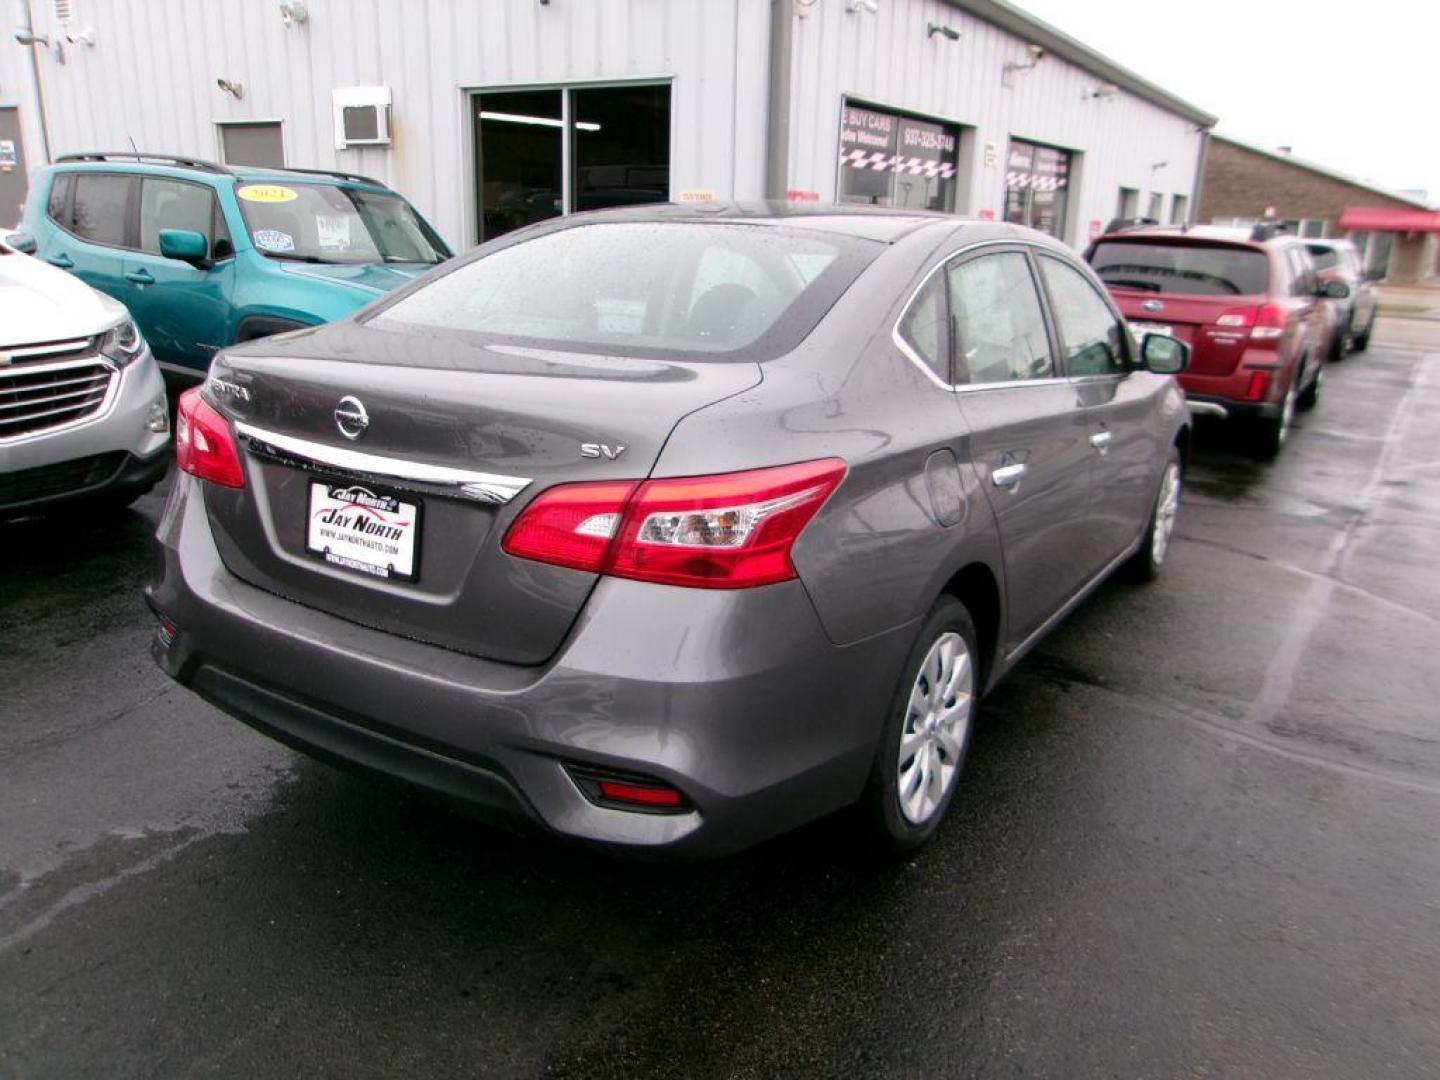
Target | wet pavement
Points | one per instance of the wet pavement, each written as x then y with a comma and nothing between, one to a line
1199,835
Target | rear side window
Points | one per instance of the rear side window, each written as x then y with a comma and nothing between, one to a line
1188,269
1324,258
1092,334
174,204
100,207
58,208
924,330
1000,333
668,289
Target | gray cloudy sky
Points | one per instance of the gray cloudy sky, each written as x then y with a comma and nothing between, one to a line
1354,86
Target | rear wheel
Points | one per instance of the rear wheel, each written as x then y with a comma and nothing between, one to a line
1145,564
1269,436
1310,396
927,733
1362,340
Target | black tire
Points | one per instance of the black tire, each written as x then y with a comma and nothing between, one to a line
1268,437
893,830
1339,345
1146,563
1310,396
1362,341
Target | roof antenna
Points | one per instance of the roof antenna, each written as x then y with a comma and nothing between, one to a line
132,144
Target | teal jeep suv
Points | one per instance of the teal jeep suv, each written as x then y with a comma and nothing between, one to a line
206,255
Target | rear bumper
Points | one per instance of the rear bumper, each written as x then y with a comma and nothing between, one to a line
1226,409
736,698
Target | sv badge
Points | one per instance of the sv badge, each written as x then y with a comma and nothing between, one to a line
600,450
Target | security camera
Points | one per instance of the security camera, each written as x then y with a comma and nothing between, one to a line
235,89
1036,52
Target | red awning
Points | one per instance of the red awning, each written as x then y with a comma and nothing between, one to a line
1386,219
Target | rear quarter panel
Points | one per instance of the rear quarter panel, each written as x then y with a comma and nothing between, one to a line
877,555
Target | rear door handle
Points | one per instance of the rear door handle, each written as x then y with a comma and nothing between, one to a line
140,277
61,260
1007,476
1101,440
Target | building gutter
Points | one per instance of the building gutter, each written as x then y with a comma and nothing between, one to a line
1057,43
777,131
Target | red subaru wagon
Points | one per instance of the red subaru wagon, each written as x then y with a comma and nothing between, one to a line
1247,302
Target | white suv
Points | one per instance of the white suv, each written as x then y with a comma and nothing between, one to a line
83,415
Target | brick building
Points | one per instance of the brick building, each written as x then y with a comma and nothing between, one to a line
1244,185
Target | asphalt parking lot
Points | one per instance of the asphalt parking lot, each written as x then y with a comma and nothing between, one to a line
1199,835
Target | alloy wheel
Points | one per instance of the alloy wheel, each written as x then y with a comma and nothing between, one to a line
1166,507
936,727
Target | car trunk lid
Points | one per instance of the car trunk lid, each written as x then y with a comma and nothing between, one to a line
466,440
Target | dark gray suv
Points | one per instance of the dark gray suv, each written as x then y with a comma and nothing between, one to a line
673,528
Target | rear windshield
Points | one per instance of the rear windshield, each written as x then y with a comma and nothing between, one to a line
665,289
1187,269
1323,257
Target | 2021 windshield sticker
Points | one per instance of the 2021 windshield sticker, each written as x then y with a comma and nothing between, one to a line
267,193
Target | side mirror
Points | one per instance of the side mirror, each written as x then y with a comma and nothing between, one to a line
1163,354
186,245
1334,290
23,242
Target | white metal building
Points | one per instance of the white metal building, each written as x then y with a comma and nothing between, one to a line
492,113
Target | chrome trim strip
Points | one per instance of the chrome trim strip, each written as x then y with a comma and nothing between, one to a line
1208,408
483,487
52,348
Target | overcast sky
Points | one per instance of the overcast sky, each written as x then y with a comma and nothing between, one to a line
1355,85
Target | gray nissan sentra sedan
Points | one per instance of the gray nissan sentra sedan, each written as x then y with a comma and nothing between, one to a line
670,529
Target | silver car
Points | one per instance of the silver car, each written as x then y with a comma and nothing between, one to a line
674,528
83,416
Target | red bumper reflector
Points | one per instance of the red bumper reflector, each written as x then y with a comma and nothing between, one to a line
1259,384
638,794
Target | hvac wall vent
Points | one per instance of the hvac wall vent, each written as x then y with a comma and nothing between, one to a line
64,11
362,116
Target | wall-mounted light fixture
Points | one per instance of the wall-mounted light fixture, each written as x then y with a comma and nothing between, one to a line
949,33
1013,67
854,7
27,36
234,89
294,13
1105,91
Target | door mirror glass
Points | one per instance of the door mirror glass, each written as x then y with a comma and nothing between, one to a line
23,243
1163,354
1334,290
183,244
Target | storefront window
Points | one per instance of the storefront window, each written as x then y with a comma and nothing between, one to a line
620,152
887,159
1037,182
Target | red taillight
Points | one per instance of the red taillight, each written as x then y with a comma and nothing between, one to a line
731,531
1270,322
204,446
571,525
1265,323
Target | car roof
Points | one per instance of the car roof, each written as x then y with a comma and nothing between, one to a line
1238,235
883,224
192,168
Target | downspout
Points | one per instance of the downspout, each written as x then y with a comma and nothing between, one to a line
1198,189
27,26
777,149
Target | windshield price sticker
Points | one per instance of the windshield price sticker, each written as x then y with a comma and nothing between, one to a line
364,530
267,193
